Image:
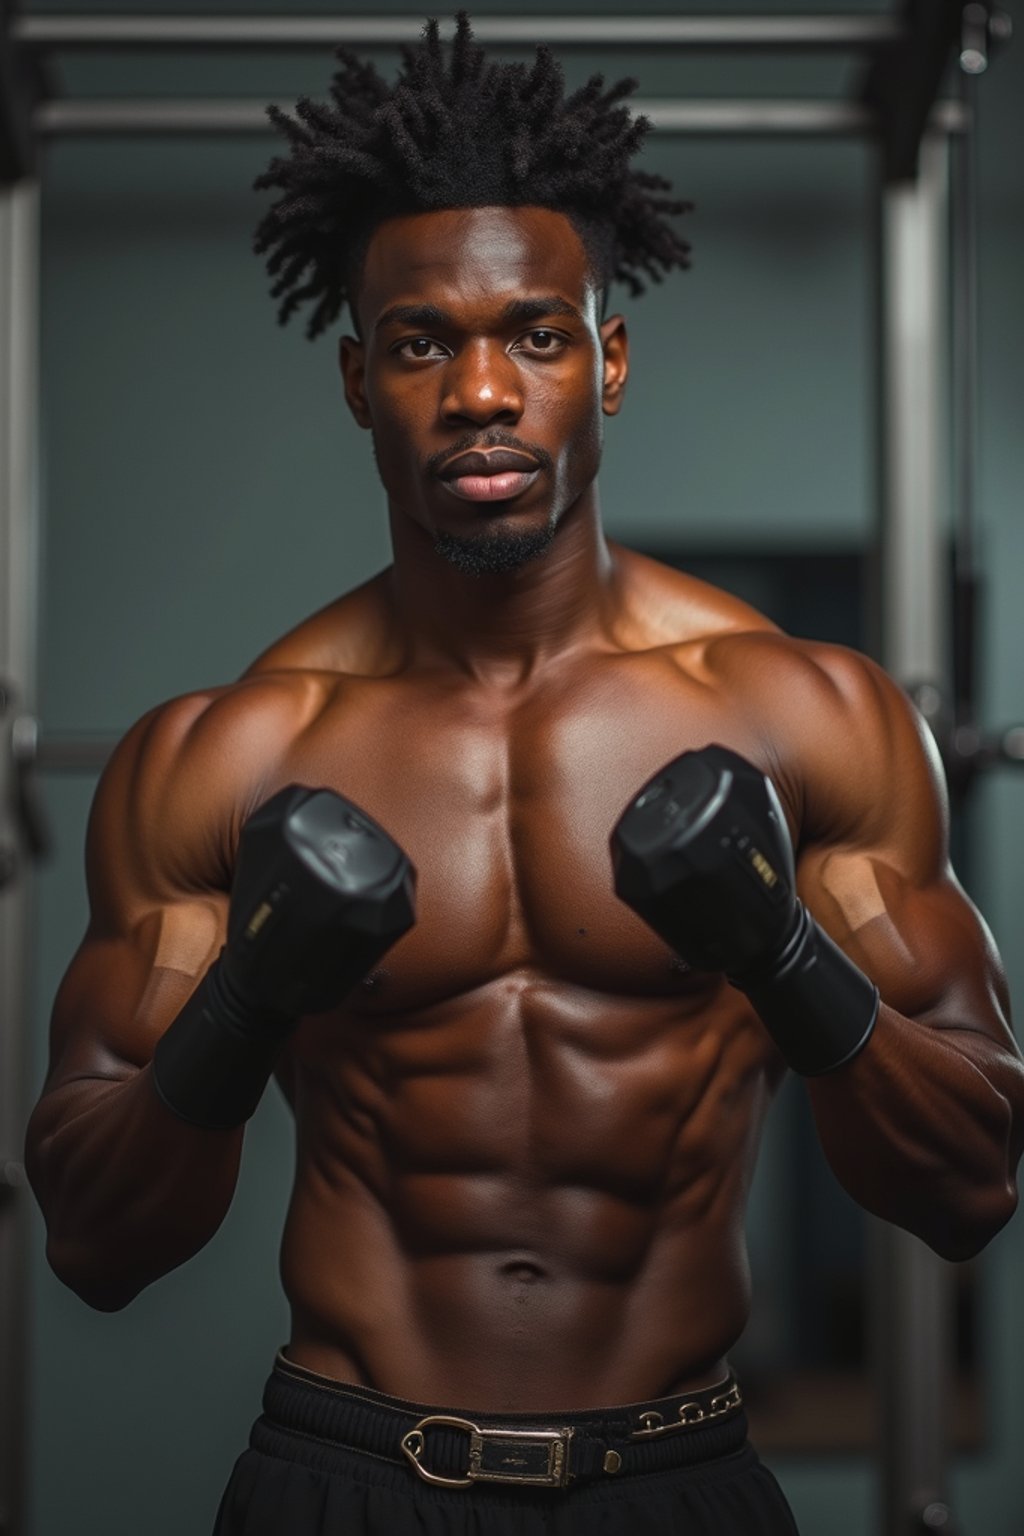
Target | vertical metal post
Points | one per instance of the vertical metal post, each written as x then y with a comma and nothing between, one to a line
18,575
967,586
912,1291
914,448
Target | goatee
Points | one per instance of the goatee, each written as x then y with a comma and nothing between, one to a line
493,550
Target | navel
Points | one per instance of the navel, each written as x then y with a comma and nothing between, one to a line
522,1272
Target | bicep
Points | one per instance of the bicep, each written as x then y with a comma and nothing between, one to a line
158,903
874,867
924,944
123,989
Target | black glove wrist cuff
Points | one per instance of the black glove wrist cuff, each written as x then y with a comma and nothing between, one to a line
819,1008
211,1065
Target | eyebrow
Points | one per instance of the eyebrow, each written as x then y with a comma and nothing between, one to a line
413,314
536,309
520,311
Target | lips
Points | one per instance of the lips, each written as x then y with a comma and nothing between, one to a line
489,487
495,476
497,462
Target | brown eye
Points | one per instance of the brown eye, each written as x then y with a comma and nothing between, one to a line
548,342
420,346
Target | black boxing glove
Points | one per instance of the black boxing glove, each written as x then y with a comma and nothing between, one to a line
703,855
320,891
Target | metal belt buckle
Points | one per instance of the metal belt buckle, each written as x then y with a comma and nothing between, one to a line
536,1458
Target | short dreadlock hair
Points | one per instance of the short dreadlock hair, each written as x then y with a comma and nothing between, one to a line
468,134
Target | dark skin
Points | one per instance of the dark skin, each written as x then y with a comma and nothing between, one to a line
525,1142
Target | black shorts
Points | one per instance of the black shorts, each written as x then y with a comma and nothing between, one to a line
327,1460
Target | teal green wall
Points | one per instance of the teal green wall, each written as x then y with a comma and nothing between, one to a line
204,489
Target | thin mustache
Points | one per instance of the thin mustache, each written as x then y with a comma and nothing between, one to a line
493,439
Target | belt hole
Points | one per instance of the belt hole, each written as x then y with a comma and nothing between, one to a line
612,1461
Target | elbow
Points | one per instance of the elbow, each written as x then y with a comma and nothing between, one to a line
964,1235
958,1248
101,1292
77,1264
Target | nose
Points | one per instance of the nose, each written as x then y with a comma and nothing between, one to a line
481,384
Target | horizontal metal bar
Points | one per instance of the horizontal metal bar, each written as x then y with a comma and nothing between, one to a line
710,117
139,115
753,116
700,32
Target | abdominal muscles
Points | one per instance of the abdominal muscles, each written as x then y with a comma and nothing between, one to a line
527,1197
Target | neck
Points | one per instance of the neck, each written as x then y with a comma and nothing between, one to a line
504,627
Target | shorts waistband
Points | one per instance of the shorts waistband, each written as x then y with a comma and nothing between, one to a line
455,1448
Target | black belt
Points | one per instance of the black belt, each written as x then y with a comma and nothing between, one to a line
451,1449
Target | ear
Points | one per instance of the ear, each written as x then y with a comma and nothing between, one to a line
352,358
615,348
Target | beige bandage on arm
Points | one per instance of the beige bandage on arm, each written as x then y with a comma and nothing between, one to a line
188,939
853,885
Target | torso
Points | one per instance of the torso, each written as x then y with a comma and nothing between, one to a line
526,1140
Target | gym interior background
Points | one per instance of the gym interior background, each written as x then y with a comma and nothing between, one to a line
203,488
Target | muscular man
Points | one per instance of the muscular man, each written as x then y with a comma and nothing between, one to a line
527,1120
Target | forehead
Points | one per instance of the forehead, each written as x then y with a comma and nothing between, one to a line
473,255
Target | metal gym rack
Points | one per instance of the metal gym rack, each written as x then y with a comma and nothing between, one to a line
925,193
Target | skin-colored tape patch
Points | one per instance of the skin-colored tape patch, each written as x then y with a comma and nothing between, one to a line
189,939
166,992
853,886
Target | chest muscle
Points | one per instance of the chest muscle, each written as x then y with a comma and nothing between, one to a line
506,813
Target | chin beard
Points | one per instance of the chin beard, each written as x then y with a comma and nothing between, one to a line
493,550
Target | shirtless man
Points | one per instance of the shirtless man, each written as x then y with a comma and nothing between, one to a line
526,1133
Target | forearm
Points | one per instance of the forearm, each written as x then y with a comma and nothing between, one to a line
129,1191
924,1129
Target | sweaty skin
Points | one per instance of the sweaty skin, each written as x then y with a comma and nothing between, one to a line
525,1141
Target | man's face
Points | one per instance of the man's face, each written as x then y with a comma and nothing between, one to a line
483,375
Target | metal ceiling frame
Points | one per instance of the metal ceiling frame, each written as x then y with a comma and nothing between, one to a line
906,56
